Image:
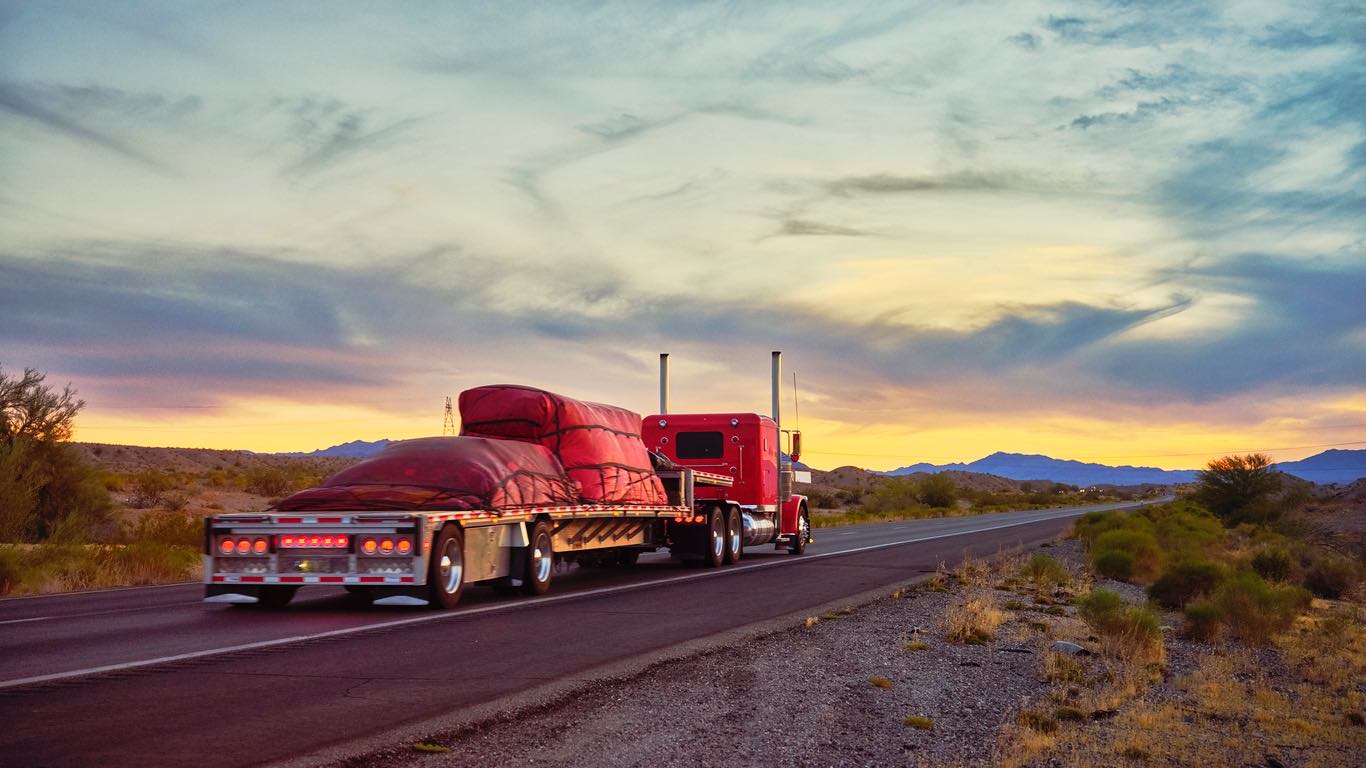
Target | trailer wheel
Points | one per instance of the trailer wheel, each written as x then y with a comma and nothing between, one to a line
627,558
798,545
446,574
540,562
714,552
275,598
735,536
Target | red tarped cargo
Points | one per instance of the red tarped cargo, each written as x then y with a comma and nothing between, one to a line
455,473
599,445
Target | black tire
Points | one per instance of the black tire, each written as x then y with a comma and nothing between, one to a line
798,545
446,571
735,536
358,593
275,598
540,560
714,540
627,558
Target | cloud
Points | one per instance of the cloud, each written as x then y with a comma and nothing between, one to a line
28,104
803,227
886,183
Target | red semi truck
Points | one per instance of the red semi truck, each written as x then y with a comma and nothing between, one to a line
534,479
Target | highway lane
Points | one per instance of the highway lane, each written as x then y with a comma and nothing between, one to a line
201,685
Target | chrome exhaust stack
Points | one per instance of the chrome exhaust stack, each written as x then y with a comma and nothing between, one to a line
663,382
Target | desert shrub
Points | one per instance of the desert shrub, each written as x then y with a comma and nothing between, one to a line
1126,631
896,495
169,528
1330,577
1100,608
1044,571
149,488
819,499
268,481
1185,529
1144,555
1203,620
938,491
1114,564
1238,489
216,479
1253,610
1091,525
1272,563
1069,714
974,621
1037,721
1185,581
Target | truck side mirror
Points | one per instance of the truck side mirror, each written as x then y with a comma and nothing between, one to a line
796,452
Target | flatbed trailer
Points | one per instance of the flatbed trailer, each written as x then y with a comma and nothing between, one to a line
726,480
429,557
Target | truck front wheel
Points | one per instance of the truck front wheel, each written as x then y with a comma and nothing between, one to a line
798,545
540,561
446,575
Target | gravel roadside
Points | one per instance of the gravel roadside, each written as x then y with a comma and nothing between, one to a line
836,690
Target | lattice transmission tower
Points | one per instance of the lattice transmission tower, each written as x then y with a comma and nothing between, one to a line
448,423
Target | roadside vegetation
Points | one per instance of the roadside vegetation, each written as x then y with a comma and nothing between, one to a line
1224,628
78,516
938,495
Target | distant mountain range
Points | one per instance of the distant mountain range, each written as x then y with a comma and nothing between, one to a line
1334,466
353,449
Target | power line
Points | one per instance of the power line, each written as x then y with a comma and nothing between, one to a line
448,420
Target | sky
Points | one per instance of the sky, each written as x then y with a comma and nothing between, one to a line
1107,231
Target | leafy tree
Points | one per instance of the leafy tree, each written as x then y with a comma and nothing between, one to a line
46,489
1238,489
938,490
31,410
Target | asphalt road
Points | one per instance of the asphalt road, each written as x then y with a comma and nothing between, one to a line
152,676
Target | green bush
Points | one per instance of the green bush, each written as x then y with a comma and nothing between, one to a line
1203,620
1114,564
1185,581
938,491
1145,555
268,481
149,488
1330,577
1273,564
1254,610
1044,571
896,495
1100,608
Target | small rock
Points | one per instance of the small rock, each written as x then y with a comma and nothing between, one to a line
1072,649
1272,762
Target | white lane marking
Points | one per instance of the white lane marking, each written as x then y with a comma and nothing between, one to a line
88,614
96,591
509,606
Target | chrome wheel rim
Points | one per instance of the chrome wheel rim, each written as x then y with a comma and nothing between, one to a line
451,566
735,535
804,528
542,557
717,541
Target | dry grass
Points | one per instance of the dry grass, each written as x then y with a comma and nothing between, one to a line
974,620
46,568
915,645
919,722
879,682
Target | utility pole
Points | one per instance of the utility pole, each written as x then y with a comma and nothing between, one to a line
448,424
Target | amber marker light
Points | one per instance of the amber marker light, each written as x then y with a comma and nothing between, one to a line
369,546
404,546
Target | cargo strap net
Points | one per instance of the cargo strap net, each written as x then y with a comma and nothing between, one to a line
598,445
444,473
